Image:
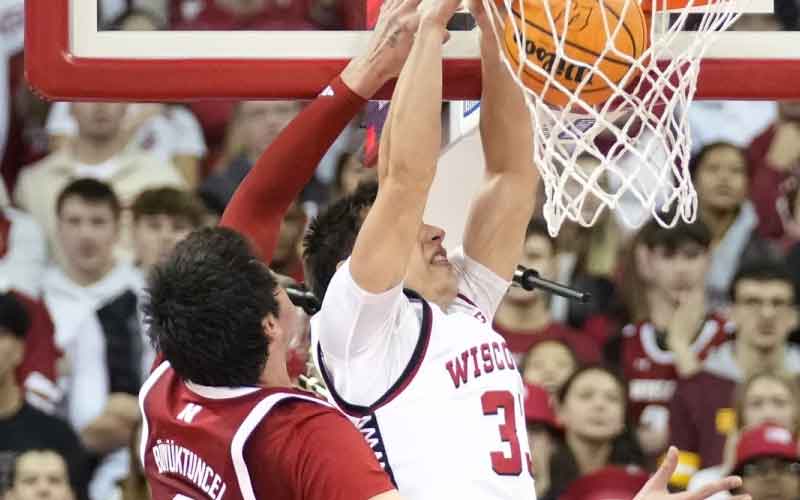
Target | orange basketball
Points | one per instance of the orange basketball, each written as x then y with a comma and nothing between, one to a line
584,41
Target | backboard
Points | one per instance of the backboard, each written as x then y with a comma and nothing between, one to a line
68,57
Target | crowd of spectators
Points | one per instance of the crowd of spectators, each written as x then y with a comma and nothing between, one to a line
692,340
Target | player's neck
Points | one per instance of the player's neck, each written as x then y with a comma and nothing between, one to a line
589,456
528,316
10,395
753,360
275,373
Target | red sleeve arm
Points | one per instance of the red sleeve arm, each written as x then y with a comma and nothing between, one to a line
259,204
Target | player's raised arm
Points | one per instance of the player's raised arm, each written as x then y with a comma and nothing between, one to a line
408,161
501,210
260,202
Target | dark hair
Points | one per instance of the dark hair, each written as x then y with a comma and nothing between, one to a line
91,191
701,155
538,227
654,235
169,201
13,316
625,449
332,235
762,269
206,305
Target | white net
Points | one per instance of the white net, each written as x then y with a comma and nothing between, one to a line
631,152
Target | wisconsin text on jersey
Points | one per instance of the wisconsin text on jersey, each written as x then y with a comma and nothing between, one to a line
494,355
175,459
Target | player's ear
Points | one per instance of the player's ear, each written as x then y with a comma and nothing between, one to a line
271,327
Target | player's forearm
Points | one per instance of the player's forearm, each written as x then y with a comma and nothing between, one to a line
505,122
416,112
260,202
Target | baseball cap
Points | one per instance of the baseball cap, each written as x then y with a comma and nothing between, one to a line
13,316
766,440
539,407
613,482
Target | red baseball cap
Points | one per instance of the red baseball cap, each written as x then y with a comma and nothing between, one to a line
614,482
539,407
766,440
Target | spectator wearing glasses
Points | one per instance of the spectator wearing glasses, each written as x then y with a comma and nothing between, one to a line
764,311
767,460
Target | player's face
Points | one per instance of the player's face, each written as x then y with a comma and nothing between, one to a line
721,179
769,400
40,476
771,479
293,322
429,272
87,233
677,273
764,312
539,254
549,365
100,121
10,353
594,407
154,237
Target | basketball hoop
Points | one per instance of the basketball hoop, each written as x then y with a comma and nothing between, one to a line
579,147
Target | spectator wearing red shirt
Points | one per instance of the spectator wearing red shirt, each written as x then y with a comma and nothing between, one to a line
677,335
773,156
524,317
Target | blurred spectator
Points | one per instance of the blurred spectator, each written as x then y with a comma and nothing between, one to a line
23,427
110,11
679,333
587,257
94,305
524,317
230,15
350,172
161,218
767,459
609,483
719,171
23,248
772,157
764,313
134,485
255,124
764,398
97,151
169,132
543,431
40,474
287,258
549,364
591,408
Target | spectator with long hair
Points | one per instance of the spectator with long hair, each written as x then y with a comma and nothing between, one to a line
592,408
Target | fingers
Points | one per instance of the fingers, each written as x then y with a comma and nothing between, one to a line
661,478
729,483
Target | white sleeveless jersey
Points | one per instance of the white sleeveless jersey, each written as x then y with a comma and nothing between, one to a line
452,425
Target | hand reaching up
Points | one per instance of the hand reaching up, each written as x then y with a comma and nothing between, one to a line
656,487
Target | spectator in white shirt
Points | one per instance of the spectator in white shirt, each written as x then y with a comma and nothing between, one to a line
23,248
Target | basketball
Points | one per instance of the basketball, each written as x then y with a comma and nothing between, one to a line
585,41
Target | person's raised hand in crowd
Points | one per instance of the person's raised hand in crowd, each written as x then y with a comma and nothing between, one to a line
683,328
656,487
388,48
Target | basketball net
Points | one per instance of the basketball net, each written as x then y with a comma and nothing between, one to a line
634,149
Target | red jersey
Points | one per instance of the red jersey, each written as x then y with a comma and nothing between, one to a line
521,341
38,372
250,443
650,370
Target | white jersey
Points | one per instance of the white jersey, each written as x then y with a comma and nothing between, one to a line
436,393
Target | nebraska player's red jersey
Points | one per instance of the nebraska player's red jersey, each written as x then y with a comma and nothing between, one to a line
250,443
650,370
